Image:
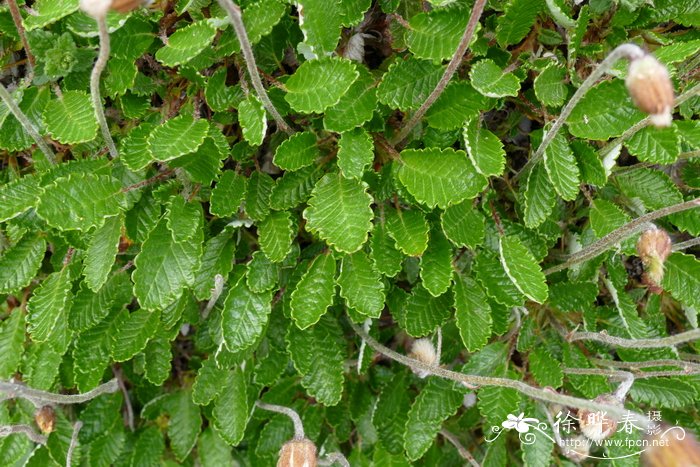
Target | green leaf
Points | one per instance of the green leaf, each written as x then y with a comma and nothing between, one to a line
184,424
491,274
463,225
435,35
549,85
606,217
12,336
133,333
319,84
386,257
516,21
545,369
436,403
315,291
253,120
472,313
244,316
436,264
91,354
294,188
423,313
231,409
228,193
360,284
355,152
522,269
80,201
177,137
158,358
458,103
18,196
589,163
148,447
20,263
561,168
391,413
682,278
407,83
70,118
490,80
298,151
339,212
495,403
257,197
409,229
655,145
133,39
321,24
207,385
439,177
164,267
654,188
276,235
120,77
262,274
133,150
321,377
666,393
260,17
13,136
186,43
49,11
183,218
539,195
355,107
606,111
48,305
101,252
484,148
213,451
216,259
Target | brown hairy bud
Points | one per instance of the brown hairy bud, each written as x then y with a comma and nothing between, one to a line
125,6
423,351
671,447
297,453
597,425
45,419
653,247
651,89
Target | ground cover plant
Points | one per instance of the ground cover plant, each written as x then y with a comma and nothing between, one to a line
350,232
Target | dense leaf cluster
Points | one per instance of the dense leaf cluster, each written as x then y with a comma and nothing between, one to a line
219,261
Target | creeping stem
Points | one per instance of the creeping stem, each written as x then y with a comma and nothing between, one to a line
97,70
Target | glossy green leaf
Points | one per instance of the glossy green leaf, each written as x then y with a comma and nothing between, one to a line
177,137
522,269
70,118
490,80
484,149
253,120
48,305
360,284
315,291
319,84
298,151
245,314
276,236
472,313
355,153
408,83
20,263
186,43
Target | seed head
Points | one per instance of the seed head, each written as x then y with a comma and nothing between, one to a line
45,419
653,247
597,425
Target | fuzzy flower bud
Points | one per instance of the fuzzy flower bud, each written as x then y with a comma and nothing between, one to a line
671,447
423,351
653,247
96,8
125,6
45,419
651,89
297,453
596,425
577,448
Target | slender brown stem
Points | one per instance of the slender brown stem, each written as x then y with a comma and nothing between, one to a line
477,9
291,413
127,400
466,455
687,244
28,431
619,234
148,181
17,19
26,124
234,14
682,338
100,64
40,398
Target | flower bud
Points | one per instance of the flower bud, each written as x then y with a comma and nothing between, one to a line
651,89
671,447
96,8
577,448
125,6
653,247
297,453
45,419
423,351
597,425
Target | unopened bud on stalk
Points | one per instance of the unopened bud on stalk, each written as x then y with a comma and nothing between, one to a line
125,6
96,8
45,419
423,351
653,247
597,425
297,453
651,89
671,447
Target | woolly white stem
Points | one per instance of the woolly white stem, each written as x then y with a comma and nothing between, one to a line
100,64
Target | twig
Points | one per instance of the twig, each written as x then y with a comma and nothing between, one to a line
40,398
530,391
619,234
234,14
605,338
690,366
127,401
291,413
17,19
215,294
7,430
438,350
687,244
26,124
148,181
629,51
361,353
100,64
477,9
466,455
334,457
73,442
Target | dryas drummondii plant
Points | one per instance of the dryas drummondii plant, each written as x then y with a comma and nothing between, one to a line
350,232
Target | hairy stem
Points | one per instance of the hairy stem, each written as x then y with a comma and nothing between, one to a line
687,244
73,442
466,455
17,19
619,234
26,124
28,431
40,398
477,9
100,64
629,51
234,14
686,366
530,391
127,400
334,457
291,413
605,338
